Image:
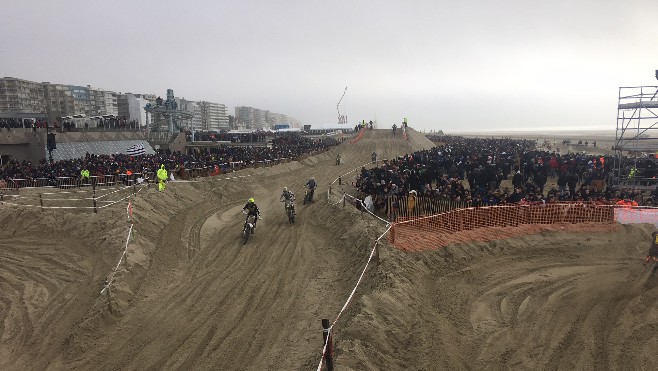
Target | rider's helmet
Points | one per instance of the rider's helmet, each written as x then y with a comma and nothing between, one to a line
251,200
285,189
312,178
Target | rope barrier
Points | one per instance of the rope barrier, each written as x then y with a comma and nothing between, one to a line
353,170
339,201
113,192
351,296
121,199
108,282
363,207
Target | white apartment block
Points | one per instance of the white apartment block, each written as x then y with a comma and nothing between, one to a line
250,118
59,100
131,106
217,116
254,118
21,96
208,116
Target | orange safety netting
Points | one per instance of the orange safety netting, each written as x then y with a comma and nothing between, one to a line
358,137
496,222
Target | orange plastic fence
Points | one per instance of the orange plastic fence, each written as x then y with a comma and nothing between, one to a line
358,137
494,222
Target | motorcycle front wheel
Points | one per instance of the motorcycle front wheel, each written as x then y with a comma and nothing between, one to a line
245,235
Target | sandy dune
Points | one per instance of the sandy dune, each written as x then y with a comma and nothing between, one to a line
194,298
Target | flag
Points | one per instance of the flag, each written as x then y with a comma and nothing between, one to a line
136,150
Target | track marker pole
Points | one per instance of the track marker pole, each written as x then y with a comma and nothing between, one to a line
327,339
94,198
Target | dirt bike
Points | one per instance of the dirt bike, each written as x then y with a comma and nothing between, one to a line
248,227
290,209
308,196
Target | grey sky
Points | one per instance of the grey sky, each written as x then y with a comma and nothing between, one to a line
450,65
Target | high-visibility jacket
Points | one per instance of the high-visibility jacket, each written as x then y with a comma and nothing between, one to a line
162,173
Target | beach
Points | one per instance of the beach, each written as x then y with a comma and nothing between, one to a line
191,296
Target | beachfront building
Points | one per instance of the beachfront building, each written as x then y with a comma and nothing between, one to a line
131,106
24,98
213,116
208,116
60,101
255,119
21,98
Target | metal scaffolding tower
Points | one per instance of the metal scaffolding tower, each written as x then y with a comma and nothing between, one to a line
636,141
167,115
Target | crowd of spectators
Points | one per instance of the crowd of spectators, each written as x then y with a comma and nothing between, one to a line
224,136
107,123
111,123
472,170
15,123
223,157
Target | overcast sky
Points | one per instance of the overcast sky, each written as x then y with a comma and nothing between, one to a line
449,65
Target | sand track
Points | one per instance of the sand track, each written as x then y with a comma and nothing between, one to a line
195,298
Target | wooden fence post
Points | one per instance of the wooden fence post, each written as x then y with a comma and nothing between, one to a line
340,180
41,201
327,339
94,199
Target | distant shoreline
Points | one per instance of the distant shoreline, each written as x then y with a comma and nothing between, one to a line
539,134
604,139
549,134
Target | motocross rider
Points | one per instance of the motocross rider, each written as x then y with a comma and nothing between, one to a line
288,197
252,210
311,185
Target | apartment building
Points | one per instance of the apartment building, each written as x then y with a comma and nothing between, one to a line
250,118
67,100
208,116
254,118
131,106
42,99
59,101
21,97
216,115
